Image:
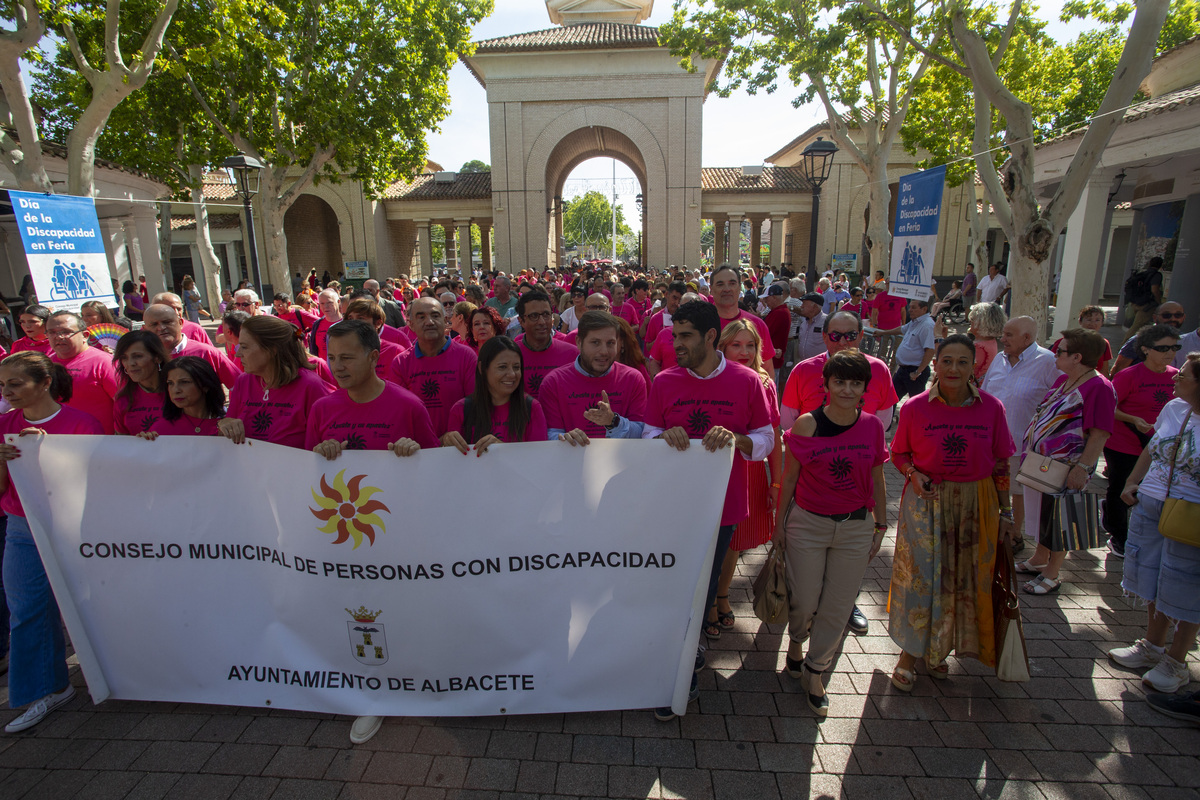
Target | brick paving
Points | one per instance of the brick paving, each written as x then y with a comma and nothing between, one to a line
1079,729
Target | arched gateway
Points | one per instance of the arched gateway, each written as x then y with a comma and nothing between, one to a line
600,85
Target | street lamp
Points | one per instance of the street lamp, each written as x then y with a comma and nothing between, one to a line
639,200
817,161
244,172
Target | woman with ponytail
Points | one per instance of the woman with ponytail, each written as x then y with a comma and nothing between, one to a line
37,389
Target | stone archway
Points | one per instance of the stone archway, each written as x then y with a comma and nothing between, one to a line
314,238
573,150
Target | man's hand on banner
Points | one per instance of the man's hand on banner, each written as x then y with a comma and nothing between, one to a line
575,437
233,430
330,448
717,438
676,437
404,447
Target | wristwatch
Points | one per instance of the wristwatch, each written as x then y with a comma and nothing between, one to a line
615,420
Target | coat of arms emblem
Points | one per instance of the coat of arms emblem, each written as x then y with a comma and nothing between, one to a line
367,642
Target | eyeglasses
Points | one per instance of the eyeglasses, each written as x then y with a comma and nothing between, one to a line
1166,348
243,305
1062,352
448,304
837,336
61,334
534,316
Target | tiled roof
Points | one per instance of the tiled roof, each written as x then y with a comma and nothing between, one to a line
588,36
217,186
216,222
1163,104
466,186
774,180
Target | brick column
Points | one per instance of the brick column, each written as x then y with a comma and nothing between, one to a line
755,238
485,246
734,242
451,247
777,258
719,251
464,246
425,246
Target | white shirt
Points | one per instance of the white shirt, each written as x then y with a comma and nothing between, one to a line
1186,481
991,288
1190,344
569,319
1021,387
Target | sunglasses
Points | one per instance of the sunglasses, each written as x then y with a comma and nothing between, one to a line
1172,315
1165,348
1062,352
837,336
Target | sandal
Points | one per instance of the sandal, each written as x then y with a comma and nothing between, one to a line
1027,568
940,671
903,679
712,630
1041,585
725,618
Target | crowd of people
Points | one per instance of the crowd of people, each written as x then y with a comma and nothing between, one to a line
804,381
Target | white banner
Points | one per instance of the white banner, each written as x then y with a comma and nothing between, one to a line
535,579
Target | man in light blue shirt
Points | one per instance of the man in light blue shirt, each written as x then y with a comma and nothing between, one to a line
915,352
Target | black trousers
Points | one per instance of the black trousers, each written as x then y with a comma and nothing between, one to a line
1116,513
905,385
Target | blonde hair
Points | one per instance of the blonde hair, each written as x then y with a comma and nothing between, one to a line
731,332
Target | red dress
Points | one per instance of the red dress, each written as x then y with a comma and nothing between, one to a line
757,529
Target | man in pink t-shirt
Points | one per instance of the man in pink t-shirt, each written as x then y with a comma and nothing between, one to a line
595,396
161,320
541,351
653,324
368,310
717,401
624,309
93,377
438,369
805,388
887,313
726,286
190,329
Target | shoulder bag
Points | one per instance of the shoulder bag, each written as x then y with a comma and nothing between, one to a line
1180,519
1012,658
770,588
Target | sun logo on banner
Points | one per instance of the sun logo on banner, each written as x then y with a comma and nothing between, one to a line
348,510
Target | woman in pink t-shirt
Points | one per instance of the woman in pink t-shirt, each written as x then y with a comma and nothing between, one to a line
33,322
37,389
139,358
270,401
195,400
952,445
498,410
741,344
832,489
1142,391
486,323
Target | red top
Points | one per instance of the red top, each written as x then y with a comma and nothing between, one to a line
537,364
1141,393
805,388
186,426
440,380
768,349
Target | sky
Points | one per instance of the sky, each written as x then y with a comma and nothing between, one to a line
739,130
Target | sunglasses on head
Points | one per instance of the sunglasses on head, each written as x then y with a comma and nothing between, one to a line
837,336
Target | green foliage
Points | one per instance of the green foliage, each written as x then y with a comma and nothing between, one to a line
475,165
587,221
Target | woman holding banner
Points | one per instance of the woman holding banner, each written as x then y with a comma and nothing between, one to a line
139,358
36,388
195,400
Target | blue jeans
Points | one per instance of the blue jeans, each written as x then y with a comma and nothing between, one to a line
3,602
724,536
37,664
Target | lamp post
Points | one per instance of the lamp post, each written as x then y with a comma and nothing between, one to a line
816,161
640,201
244,172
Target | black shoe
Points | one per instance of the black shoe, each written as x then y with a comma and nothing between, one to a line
819,703
665,714
701,661
858,622
1019,547
1179,706
1116,548
794,667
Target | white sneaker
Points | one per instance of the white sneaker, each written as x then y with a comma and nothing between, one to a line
364,728
1169,676
39,710
1139,654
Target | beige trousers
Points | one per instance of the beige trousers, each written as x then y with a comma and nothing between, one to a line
826,561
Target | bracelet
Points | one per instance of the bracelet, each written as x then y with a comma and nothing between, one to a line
774,485
1005,509
880,526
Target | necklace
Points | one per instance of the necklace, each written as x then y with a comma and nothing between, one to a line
1075,384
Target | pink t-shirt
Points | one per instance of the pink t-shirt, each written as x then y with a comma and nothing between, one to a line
322,370
628,312
642,307
536,365
1141,392
567,393
93,384
985,351
137,412
835,471
805,388
395,335
439,381
36,345
278,415
186,426
535,430
663,348
764,335
395,414
320,334
196,332
67,421
227,370
734,399
388,352
300,318
952,443
891,311
655,325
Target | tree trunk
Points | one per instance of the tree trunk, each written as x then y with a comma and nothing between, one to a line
81,141
209,263
26,163
273,237
164,232
977,246
880,198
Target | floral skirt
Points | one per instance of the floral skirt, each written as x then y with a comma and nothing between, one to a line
757,528
940,601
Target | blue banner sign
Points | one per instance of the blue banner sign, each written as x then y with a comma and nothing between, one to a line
64,248
914,236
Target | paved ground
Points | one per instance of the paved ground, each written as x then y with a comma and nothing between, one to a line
1079,729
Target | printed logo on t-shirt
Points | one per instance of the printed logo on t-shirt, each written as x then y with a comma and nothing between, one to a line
148,420
954,444
535,381
840,467
355,441
699,422
1162,397
260,422
430,389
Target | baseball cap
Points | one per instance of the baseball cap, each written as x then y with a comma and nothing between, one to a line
775,291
